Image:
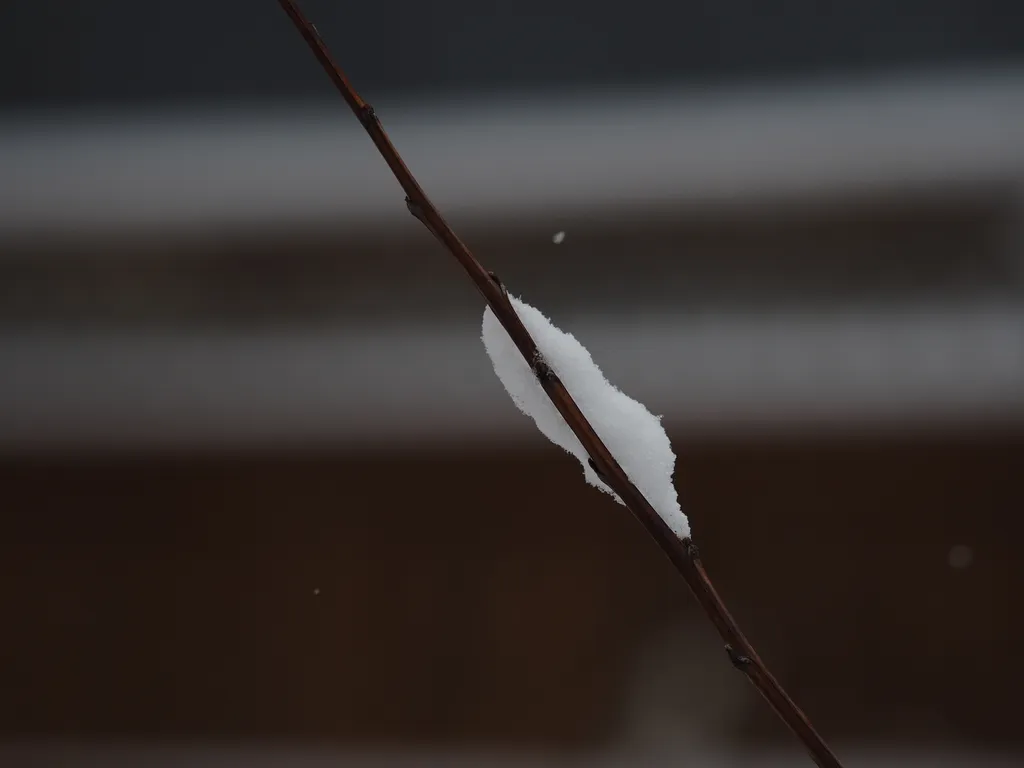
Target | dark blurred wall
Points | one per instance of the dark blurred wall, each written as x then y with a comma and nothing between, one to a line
121,52
490,596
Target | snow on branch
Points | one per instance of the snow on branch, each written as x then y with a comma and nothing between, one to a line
632,433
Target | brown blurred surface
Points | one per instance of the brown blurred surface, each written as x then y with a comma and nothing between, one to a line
924,245
485,596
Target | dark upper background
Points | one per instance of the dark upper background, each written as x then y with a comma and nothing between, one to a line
123,52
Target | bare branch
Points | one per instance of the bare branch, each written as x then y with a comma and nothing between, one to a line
682,552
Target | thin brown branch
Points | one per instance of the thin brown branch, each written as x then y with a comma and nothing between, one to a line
682,552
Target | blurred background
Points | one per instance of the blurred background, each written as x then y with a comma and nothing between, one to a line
264,502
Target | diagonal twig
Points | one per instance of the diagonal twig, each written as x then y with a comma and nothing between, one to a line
682,552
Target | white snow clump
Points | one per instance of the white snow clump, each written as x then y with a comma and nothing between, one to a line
633,435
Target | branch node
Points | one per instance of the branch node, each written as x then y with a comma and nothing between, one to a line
497,282
691,550
417,210
541,369
366,116
739,660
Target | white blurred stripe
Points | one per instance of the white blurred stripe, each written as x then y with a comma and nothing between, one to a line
511,158
366,387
